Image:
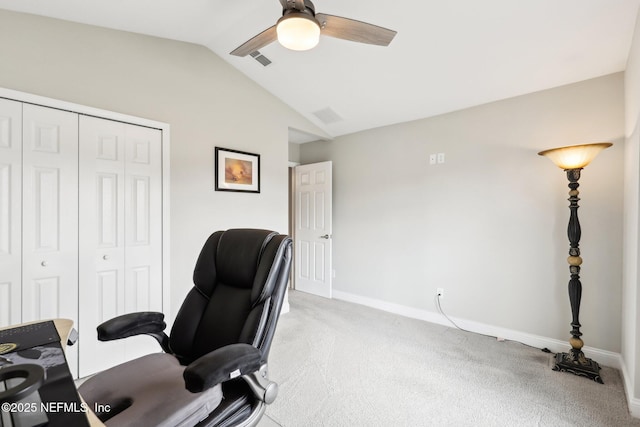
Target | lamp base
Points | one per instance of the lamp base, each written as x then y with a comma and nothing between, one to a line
574,362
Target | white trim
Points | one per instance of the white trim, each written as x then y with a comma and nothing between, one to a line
166,221
632,402
77,108
604,357
634,406
166,140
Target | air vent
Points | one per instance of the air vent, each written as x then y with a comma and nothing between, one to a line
328,116
260,58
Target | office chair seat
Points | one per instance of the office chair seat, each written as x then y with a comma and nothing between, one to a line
134,400
213,371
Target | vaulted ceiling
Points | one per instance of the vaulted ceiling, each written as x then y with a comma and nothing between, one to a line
447,55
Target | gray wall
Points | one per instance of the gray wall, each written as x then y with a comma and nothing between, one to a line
294,152
207,103
488,225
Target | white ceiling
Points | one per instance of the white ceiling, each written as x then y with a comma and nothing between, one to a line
447,55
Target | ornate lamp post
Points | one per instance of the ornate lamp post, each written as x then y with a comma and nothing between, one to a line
573,159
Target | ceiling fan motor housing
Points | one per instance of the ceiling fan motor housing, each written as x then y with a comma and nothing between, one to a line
291,7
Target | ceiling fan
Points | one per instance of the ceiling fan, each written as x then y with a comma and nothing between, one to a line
300,27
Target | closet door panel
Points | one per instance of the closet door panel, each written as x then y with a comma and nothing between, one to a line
143,229
10,212
50,213
102,241
50,216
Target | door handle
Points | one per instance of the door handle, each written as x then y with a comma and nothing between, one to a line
326,236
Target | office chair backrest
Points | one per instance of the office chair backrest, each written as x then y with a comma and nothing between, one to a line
240,279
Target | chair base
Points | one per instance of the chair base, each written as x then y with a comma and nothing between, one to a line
238,408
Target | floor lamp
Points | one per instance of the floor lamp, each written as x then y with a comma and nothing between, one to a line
573,159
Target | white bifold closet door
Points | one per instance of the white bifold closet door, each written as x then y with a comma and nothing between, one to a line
120,260
10,212
50,216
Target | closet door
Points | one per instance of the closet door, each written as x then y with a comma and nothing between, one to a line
10,211
143,216
120,235
101,272
50,216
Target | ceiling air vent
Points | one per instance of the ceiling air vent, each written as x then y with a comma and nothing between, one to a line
328,116
260,58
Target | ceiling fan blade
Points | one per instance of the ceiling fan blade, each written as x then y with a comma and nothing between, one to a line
357,31
261,40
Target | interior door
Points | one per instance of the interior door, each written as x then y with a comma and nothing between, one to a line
50,216
313,228
120,235
10,212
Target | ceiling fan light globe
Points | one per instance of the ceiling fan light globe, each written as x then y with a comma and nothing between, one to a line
298,31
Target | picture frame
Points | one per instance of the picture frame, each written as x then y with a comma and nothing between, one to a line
237,171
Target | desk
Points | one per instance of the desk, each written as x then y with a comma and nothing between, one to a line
58,394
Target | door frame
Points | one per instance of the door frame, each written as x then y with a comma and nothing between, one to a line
292,217
111,115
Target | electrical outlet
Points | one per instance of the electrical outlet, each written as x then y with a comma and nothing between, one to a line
440,158
432,159
440,293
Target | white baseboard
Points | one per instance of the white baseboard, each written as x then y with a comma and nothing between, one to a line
632,402
634,406
604,357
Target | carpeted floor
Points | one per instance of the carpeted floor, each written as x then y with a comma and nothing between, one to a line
342,364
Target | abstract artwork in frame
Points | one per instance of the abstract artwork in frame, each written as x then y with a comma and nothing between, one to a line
237,171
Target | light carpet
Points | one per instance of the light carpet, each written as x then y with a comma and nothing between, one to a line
342,364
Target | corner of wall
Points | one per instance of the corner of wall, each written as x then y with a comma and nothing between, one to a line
627,380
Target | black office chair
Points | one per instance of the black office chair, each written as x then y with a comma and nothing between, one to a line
214,367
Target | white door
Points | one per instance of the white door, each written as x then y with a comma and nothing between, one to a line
312,239
50,216
101,224
120,235
143,230
10,212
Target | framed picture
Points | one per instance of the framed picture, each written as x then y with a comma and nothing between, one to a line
237,171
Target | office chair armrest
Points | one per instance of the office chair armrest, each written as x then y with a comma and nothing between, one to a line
221,365
128,325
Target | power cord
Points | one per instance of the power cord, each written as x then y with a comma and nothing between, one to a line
439,307
441,311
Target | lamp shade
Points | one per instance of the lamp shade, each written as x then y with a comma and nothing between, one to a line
575,156
298,31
